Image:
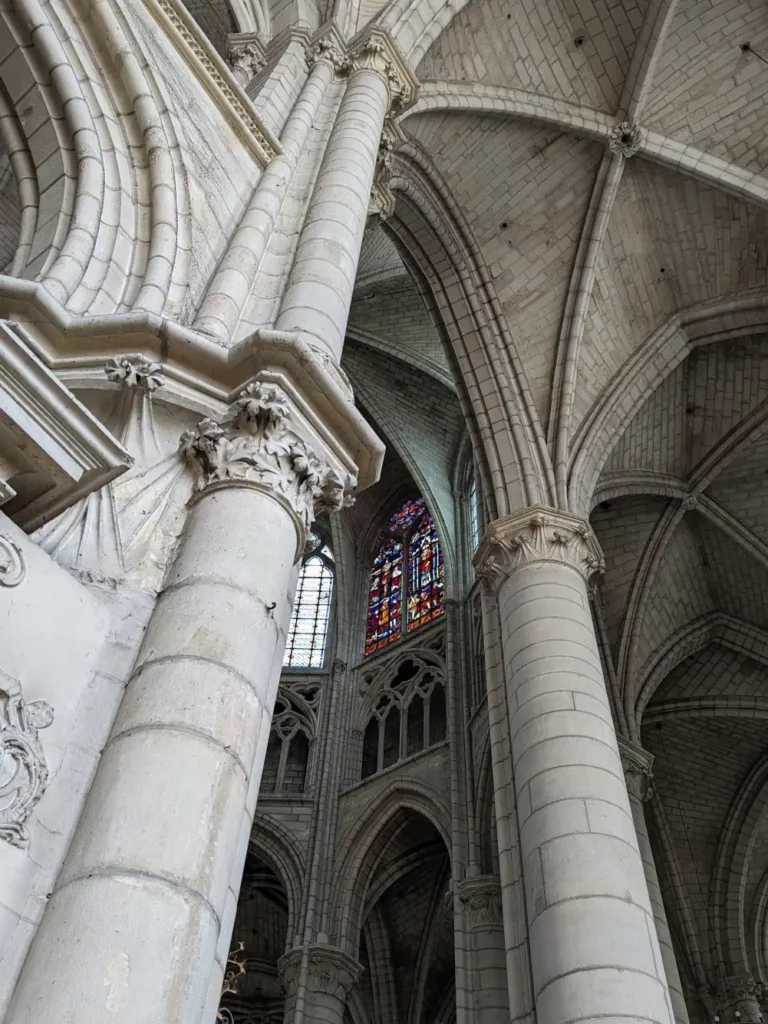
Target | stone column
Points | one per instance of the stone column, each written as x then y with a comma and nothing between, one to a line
637,764
317,980
594,951
317,297
481,900
130,933
738,999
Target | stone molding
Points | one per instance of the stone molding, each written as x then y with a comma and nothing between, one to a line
626,138
537,534
481,899
376,51
12,566
638,769
330,971
258,447
135,372
23,768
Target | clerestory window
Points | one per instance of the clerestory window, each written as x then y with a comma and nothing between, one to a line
308,629
407,577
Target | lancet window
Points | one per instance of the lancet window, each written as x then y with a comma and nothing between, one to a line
404,713
407,577
308,629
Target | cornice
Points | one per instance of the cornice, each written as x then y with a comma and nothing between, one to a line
199,374
537,534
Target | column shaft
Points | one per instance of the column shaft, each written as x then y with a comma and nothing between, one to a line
319,291
481,899
131,930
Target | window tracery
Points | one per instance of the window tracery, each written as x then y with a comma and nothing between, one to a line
407,572
308,630
404,711
287,762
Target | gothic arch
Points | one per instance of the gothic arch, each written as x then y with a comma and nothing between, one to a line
275,842
450,271
360,852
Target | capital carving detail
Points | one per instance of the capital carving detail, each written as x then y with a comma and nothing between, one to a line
537,534
12,565
626,138
258,447
376,52
638,770
23,769
481,898
739,994
326,50
329,970
135,372
246,57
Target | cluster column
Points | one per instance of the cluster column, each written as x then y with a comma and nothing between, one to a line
480,898
131,930
637,764
594,951
319,290
318,978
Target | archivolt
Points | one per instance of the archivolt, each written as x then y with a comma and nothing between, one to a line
274,841
439,249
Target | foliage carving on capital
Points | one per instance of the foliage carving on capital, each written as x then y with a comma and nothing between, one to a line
23,768
326,50
537,534
258,447
329,970
376,52
247,57
738,998
481,898
638,770
135,372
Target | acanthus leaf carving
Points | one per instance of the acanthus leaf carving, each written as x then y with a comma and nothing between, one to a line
23,768
135,372
259,447
329,970
481,899
537,534
377,53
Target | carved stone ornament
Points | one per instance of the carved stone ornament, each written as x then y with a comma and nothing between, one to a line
376,52
12,566
23,770
481,898
738,998
689,503
329,970
257,447
626,139
135,372
638,769
326,50
537,534
246,57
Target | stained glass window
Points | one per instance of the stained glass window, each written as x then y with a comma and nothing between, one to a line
474,513
308,629
417,586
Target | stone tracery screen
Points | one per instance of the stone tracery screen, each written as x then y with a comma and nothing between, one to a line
418,585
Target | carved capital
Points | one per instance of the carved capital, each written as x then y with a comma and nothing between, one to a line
638,769
481,899
537,534
738,998
12,566
329,970
135,372
377,52
23,769
258,447
382,201
328,49
626,138
245,56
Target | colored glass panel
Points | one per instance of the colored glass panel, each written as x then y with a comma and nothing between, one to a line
308,630
474,514
386,597
426,589
402,521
